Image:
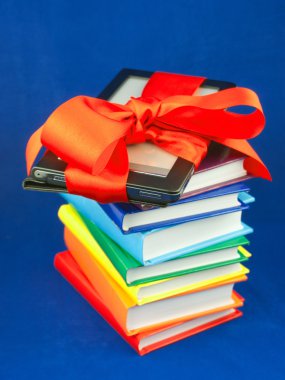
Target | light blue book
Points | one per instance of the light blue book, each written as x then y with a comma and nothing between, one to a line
162,244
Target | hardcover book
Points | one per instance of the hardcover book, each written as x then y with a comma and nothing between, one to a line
132,218
149,341
134,318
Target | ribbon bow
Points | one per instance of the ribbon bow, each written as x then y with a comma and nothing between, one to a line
92,134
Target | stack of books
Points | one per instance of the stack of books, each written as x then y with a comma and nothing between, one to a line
161,274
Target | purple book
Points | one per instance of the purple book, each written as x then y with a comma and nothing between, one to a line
221,167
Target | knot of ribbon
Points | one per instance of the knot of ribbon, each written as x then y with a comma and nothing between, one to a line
92,135
144,111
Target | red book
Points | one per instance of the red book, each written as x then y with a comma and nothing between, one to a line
148,341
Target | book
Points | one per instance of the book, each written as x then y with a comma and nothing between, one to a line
134,319
93,256
91,259
145,342
222,166
133,272
162,244
131,218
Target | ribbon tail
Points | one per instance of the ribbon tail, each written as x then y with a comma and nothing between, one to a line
109,185
33,147
253,163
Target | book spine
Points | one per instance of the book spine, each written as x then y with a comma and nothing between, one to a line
107,288
116,258
69,270
90,209
114,213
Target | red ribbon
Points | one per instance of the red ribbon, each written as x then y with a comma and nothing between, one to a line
91,134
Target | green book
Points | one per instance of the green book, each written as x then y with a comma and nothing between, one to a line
134,273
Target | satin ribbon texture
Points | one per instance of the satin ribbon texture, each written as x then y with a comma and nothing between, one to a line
91,135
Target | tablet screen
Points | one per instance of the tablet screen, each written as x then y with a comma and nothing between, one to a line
149,159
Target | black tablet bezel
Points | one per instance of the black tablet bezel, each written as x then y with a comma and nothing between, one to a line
173,183
119,79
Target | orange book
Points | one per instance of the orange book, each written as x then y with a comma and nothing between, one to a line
145,342
134,318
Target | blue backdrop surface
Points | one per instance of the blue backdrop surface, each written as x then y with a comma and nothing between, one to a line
51,51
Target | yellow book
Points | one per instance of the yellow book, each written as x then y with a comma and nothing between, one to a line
151,291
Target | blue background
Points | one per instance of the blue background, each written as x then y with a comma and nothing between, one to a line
53,50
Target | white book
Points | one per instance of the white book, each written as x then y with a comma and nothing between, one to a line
182,306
